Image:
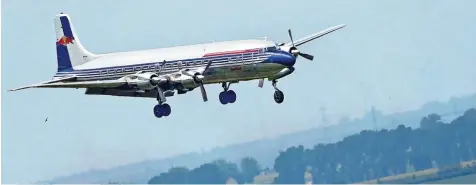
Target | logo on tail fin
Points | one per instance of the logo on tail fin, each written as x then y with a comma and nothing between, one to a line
64,40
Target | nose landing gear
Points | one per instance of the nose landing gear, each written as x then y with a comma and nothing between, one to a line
278,94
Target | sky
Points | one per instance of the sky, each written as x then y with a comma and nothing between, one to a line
394,55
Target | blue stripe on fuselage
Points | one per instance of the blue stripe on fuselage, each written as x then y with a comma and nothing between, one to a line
282,58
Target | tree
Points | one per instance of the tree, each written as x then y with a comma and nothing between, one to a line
291,166
430,121
230,170
376,154
249,168
208,173
176,175
363,156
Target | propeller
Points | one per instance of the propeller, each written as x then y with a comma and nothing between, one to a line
295,51
155,80
197,77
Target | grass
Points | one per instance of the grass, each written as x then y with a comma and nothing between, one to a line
425,176
406,177
466,179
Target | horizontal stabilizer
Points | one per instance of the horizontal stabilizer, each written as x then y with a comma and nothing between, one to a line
83,84
44,83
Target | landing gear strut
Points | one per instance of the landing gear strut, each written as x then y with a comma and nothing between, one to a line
162,109
227,96
278,94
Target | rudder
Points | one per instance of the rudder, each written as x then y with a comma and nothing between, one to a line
69,50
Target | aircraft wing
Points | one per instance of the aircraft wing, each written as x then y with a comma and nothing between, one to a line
311,37
116,92
66,83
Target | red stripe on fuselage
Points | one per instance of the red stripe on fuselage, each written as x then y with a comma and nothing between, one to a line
236,68
231,52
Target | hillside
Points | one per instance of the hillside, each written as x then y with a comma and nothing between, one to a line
266,151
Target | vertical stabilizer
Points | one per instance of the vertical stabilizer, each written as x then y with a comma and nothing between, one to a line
69,50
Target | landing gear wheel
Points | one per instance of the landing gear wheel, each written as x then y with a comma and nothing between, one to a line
231,96
162,110
158,111
227,97
278,96
167,110
222,98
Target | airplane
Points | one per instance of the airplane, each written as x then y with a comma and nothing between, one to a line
159,73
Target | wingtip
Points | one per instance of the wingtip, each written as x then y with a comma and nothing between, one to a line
342,25
21,88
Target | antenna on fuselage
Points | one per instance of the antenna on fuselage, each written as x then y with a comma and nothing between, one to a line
264,38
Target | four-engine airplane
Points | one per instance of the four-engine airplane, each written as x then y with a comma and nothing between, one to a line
159,73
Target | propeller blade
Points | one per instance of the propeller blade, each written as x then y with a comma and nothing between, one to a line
161,67
291,36
161,95
208,65
261,82
204,92
307,56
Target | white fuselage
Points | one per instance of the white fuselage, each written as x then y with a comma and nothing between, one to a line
231,61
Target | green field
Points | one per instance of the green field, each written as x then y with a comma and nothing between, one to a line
402,178
467,179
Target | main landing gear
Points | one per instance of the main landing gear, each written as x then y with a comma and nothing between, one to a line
161,109
227,96
278,94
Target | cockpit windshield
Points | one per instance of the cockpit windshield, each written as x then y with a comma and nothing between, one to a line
272,48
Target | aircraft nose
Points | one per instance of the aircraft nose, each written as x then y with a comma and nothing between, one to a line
283,58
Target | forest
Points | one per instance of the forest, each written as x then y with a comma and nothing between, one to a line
370,154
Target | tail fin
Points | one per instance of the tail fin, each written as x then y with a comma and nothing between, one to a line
69,50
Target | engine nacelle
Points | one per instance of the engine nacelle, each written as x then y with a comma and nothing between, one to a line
185,81
284,72
144,81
